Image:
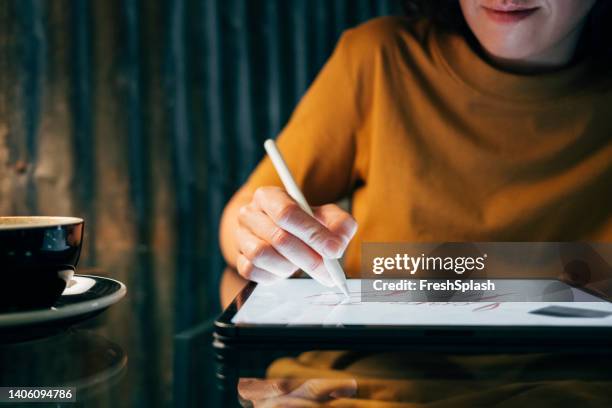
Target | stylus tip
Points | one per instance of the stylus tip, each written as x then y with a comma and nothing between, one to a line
345,301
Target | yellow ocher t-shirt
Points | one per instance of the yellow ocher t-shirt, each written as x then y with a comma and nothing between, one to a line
434,144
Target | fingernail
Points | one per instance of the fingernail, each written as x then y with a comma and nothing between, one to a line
332,248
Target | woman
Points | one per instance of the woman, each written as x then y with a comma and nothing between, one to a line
488,123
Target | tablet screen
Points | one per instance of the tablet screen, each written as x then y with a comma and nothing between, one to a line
305,302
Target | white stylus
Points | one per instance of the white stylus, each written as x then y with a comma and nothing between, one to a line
332,265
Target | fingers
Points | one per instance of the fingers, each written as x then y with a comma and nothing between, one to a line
263,255
288,215
276,236
251,272
284,243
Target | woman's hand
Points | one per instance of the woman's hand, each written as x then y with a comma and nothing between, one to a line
275,237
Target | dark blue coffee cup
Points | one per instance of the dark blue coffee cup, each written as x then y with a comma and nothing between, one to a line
38,256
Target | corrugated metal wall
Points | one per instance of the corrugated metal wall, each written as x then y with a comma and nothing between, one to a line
144,116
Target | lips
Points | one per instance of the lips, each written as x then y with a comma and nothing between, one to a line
509,14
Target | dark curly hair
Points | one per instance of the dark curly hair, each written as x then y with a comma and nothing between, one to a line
596,38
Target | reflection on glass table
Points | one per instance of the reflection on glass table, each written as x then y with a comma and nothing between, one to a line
270,375
77,359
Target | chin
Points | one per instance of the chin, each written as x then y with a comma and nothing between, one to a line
504,50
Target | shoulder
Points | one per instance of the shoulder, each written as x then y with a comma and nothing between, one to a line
386,34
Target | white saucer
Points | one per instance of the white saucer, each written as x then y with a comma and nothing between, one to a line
85,295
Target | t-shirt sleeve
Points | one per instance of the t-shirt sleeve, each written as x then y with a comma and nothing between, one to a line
318,142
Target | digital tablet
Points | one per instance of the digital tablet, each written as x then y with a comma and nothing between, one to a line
302,312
